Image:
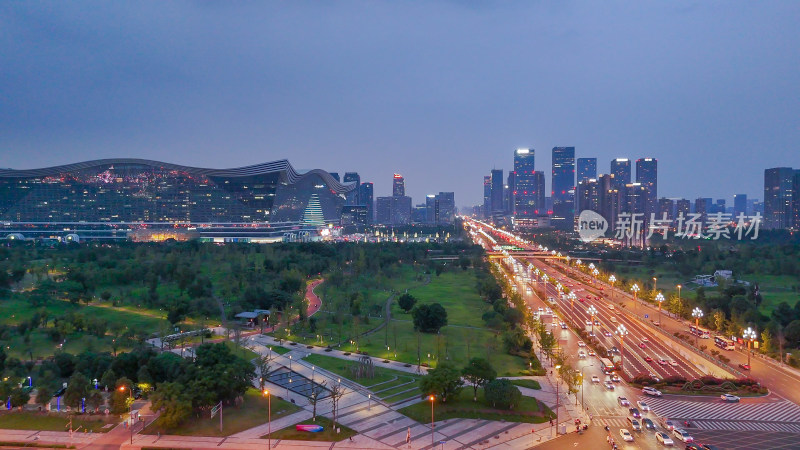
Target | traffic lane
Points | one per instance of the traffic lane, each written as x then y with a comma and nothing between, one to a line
736,440
595,437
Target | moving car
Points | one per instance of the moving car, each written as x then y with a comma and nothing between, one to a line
643,406
664,439
581,354
615,378
642,345
581,344
729,398
744,366
607,333
644,339
635,412
609,385
595,379
668,424
623,401
592,353
563,326
647,390
648,424
625,435
634,424
673,363
648,359
682,435
662,361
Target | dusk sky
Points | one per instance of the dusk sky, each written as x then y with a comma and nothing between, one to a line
440,91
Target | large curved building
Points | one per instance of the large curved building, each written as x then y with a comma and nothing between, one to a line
130,194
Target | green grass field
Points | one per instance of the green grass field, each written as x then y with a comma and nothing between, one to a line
389,385
328,434
530,384
51,422
251,413
529,410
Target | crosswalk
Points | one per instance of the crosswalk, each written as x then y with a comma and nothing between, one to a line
780,415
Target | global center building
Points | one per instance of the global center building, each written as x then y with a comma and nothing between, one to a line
152,200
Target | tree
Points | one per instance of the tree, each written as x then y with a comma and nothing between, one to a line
406,302
337,392
443,381
95,400
19,397
502,394
766,341
719,319
792,333
174,402
313,397
120,398
77,389
429,318
43,395
478,372
109,379
515,340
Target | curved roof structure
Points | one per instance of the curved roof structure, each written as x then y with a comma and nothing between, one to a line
281,165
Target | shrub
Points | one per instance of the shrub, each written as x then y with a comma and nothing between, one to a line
500,393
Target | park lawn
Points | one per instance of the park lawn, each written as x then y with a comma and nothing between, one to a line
251,413
280,350
243,352
530,384
340,367
22,420
328,434
457,293
529,410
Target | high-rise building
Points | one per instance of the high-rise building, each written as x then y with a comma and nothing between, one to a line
353,196
539,195
587,168
563,184
796,200
621,169
383,210
647,175
665,209
719,206
778,197
509,193
335,176
497,192
588,195
395,210
683,207
487,196
610,199
525,183
447,207
701,206
366,196
398,185
636,197
431,209
739,205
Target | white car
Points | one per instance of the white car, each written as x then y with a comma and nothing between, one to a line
626,435
644,339
673,363
729,398
643,406
651,391
609,385
664,438
595,379
623,401
581,354
681,434
581,344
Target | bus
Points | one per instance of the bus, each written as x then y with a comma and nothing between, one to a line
607,366
724,343
700,332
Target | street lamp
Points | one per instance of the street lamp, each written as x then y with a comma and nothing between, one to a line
545,278
592,311
659,299
612,279
679,293
558,367
655,284
595,272
749,336
432,398
621,332
269,418
635,289
130,407
572,298
697,313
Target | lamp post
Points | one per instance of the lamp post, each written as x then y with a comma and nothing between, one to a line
659,299
612,279
269,418
432,398
697,313
621,332
572,298
750,337
592,311
635,289
558,367
130,407
545,278
679,293
655,284
595,272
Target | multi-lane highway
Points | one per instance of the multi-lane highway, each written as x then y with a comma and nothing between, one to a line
644,350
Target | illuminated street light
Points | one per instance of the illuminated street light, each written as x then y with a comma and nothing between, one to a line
659,299
697,313
749,336
635,290
592,311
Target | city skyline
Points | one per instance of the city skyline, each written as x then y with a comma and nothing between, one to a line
387,100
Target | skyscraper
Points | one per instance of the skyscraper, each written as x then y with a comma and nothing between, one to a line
335,176
524,183
588,195
587,168
796,200
647,175
778,197
739,205
353,196
539,194
431,209
664,208
447,207
563,191
365,195
497,192
682,208
621,169
509,193
398,185
610,199
487,196
701,206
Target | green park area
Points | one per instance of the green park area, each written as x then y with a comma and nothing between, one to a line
251,412
54,422
328,433
528,410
